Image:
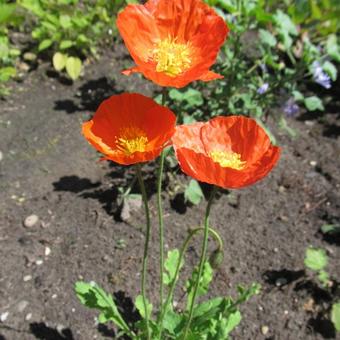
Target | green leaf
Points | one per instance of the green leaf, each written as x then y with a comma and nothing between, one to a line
190,97
323,277
227,325
139,303
267,38
59,61
6,12
92,296
332,47
65,21
65,44
331,229
284,21
203,285
298,96
335,316
73,67
6,73
315,259
170,266
330,69
45,44
314,103
193,192
173,322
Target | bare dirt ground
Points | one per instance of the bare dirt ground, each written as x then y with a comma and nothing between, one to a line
48,169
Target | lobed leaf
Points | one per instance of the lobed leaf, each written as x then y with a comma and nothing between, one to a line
315,259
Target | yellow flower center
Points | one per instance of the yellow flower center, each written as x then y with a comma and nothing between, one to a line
131,139
171,57
228,159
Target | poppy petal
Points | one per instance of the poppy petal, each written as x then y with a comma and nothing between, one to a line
130,128
210,75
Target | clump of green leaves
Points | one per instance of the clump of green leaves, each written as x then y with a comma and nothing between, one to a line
266,62
316,260
71,29
212,319
8,53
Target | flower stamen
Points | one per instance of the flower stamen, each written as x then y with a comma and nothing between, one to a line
171,57
131,140
228,159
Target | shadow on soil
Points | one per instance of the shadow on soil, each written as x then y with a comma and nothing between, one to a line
41,331
88,96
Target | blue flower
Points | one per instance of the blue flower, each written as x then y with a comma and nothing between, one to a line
290,108
320,76
263,88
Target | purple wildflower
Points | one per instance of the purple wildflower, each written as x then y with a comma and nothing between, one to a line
263,88
320,76
290,108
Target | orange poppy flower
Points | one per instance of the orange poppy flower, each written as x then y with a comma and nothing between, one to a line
230,152
173,42
130,128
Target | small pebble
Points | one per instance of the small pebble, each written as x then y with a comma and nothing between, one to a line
1,156
27,278
54,296
276,250
285,312
60,328
31,221
280,281
73,310
22,305
313,163
39,262
28,317
4,316
264,330
47,251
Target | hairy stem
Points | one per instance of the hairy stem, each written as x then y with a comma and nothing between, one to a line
146,247
202,261
160,216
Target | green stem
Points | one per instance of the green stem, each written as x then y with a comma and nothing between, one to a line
183,250
160,216
146,246
202,261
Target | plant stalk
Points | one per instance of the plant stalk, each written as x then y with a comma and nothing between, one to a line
202,261
146,247
160,216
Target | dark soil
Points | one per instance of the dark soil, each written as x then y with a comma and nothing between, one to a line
48,169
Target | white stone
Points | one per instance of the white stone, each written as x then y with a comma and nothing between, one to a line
264,330
39,262
31,221
4,316
27,278
47,251
28,317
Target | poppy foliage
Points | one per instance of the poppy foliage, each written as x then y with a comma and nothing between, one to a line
130,128
172,42
230,152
